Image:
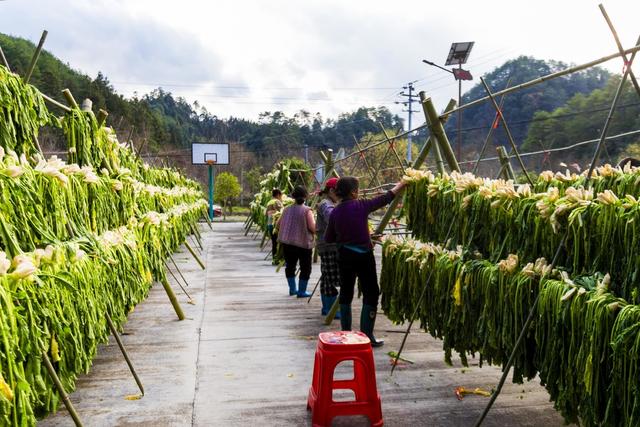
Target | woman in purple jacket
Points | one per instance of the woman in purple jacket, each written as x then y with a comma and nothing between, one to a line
349,228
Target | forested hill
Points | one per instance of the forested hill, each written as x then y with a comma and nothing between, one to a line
165,120
168,122
521,106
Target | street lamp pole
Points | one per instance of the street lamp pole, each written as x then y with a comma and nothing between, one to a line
458,55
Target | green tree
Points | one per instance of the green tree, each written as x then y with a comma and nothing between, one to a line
226,189
252,180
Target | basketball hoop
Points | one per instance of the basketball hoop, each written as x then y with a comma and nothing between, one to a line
211,162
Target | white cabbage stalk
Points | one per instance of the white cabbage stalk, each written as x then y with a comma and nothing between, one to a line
5,263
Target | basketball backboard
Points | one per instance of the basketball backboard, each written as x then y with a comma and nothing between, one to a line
204,154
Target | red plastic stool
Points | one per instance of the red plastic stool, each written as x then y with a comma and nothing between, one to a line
333,348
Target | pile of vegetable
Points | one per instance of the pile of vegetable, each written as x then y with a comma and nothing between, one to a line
281,178
583,342
78,239
497,218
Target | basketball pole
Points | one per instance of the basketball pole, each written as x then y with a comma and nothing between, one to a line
211,163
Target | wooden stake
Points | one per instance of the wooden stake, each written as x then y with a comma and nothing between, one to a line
60,388
115,334
35,56
194,254
173,299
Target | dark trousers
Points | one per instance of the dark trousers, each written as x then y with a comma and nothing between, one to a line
274,241
293,255
362,266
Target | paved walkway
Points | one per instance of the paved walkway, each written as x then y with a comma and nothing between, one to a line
245,354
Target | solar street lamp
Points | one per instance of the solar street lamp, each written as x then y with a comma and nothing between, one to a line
458,55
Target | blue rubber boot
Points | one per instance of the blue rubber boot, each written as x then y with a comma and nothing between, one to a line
345,319
292,286
327,303
326,306
302,289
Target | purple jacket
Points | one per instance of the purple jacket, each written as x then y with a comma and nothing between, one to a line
348,223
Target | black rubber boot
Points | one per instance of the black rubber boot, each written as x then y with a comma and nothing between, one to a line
345,317
368,322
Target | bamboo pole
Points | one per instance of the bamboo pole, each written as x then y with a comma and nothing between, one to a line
391,147
4,60
191,300
58,384
374,175
422,156
607,122
620,48
194,254
438,157
172,298
489,134
102,117
506,368
34,58
115,334
514,148
70,99
437,131
506,169
54,102
547,77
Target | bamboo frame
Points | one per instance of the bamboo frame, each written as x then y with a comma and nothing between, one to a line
437,130
115,334
514,148
58,385
36,55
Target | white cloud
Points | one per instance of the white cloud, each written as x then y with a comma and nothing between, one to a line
243,57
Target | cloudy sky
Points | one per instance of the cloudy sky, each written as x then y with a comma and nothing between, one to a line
243,57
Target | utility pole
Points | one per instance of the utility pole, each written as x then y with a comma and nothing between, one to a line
409,104
306,154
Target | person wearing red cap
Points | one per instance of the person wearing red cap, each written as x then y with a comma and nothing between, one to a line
330,275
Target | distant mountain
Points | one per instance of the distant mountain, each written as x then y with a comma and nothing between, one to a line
520,107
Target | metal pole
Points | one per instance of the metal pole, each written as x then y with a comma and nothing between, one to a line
211,191
115,334
410,136
459,151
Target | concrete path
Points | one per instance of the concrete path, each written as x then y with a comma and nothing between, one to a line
244,358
